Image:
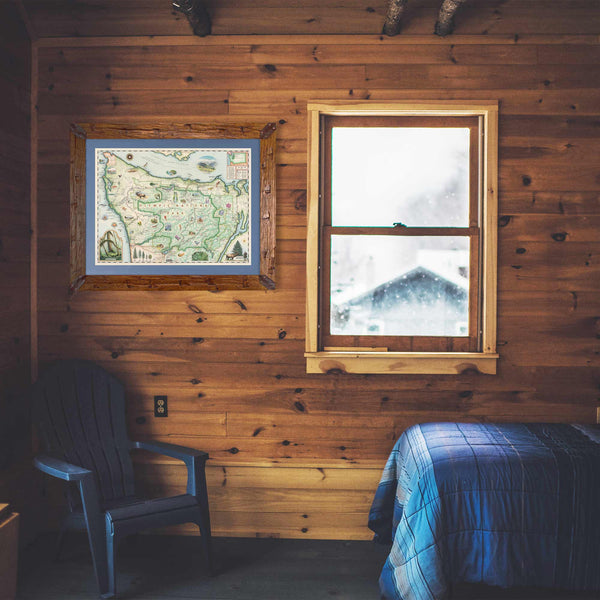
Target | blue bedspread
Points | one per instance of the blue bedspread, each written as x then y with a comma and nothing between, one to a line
507,505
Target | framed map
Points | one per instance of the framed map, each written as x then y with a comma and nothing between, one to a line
191,206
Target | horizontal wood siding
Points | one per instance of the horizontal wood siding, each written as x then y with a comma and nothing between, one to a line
297,455
14,234
51,18
15,427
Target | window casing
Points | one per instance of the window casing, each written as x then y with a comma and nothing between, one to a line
374,329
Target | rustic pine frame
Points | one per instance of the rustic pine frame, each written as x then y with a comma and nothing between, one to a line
326,359
81,280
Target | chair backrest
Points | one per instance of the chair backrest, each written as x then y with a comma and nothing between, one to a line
80,411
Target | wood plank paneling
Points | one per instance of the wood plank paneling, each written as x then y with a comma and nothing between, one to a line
157,18
291,451
14,233
17,485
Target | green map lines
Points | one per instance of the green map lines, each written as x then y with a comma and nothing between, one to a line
179,206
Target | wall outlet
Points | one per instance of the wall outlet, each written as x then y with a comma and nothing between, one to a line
161,408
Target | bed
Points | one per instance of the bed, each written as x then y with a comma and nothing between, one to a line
505,505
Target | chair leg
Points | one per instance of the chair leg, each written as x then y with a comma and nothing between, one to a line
204,526
199,490
96,534
60,542
111,555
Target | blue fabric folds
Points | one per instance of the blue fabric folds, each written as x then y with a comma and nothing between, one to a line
506,505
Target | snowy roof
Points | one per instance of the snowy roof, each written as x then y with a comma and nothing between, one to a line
419,273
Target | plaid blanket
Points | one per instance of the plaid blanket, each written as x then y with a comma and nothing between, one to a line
506,505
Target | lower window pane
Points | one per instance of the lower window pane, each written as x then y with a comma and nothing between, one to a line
400,286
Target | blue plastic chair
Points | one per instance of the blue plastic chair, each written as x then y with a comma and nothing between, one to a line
80,411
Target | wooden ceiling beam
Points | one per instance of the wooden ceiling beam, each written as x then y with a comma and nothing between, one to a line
197,15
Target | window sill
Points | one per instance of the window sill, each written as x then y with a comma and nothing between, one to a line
430,363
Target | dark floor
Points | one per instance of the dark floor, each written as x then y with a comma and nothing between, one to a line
168,568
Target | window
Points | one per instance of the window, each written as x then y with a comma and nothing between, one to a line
402,238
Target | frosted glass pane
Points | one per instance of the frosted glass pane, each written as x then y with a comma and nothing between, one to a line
413,175
388,285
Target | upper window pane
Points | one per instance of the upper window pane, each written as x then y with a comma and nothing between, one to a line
418,176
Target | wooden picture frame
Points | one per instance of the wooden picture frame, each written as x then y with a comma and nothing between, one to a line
87,271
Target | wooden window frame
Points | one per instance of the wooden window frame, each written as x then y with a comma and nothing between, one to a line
472,231
479,356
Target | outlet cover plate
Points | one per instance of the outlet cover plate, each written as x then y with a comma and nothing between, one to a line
161,407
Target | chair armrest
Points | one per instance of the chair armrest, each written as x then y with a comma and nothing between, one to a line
90,500
181,452
195,461
60,468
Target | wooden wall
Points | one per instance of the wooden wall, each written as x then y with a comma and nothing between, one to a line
15,73
80,18
294,455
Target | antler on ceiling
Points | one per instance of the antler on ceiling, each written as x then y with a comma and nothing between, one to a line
445,21
443,26
196,13
393,19
200,20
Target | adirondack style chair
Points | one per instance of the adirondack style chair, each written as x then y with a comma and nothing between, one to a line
80,411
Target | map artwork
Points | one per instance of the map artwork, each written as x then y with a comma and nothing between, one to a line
184,206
